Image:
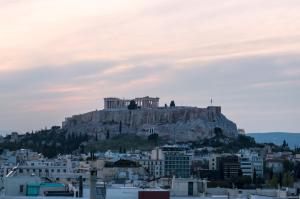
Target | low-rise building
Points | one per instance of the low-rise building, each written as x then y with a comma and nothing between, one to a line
57,169
276,164
154,167
168,160
188,187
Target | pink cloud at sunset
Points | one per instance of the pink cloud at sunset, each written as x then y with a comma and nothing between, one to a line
61,57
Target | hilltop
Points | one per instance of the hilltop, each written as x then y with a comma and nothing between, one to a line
132,124
182,124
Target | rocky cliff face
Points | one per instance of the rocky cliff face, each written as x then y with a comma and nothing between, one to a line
177,123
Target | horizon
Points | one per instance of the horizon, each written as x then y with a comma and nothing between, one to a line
62,57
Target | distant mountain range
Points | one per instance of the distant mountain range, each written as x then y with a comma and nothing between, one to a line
293,139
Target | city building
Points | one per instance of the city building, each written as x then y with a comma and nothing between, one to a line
178,161
155,168
169,160
214,160
276,164
121,171
16,185
297,157
55,169
154,164
251,162
23,155
229,167
188,187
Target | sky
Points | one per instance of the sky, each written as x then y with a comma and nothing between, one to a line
62,57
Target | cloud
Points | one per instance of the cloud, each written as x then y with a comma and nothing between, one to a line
61,57
272,84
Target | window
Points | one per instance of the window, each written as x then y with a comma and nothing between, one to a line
21,188
20,170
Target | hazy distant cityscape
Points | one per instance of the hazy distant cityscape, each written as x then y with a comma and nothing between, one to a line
137,149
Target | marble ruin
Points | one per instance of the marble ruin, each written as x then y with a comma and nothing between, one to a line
142,102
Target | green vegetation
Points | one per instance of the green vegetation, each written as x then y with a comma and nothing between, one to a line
273,182
153,138
172,103
225,144
132,105
126,142
286,178
49,142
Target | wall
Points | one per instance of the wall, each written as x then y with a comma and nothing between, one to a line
181,123
12,184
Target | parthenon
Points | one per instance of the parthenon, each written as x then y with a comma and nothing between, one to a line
142,102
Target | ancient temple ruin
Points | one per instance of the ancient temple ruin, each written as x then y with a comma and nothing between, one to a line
142,102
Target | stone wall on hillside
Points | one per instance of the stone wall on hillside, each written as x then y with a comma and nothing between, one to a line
172,123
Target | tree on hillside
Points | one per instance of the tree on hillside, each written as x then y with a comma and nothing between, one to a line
120,127
172,103
132,105
273,182
240,172
288,180
288,166
153,138
218,132
107,134
280,179
285,145
254,177
242,181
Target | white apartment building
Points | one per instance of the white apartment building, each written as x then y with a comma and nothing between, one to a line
251,161
154,164
154,167
23,155
58,169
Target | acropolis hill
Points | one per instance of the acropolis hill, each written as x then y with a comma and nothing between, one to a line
171,123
